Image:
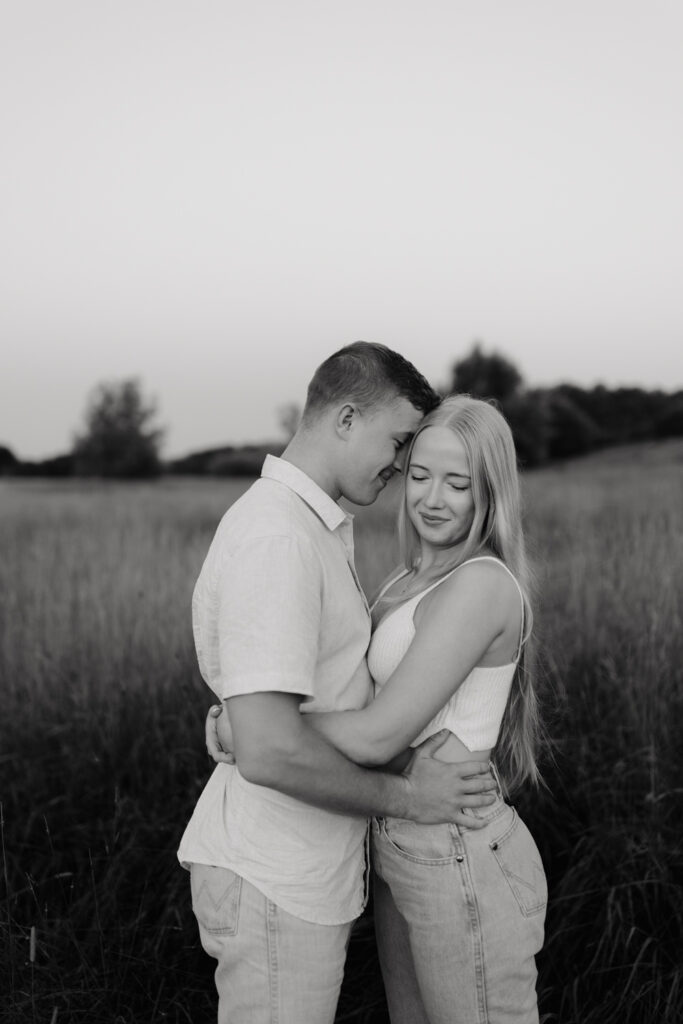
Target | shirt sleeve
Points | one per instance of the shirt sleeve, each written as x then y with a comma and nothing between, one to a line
269,618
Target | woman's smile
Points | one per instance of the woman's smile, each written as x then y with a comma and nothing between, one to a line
432,520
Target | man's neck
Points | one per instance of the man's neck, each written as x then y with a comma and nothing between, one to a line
308,455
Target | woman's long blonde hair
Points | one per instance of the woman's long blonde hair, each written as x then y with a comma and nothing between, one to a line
497,528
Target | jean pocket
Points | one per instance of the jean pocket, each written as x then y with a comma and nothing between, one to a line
422,844
519,860
216,898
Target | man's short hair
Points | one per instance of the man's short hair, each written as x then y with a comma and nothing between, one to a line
367,374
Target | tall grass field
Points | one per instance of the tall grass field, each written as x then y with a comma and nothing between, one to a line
102,752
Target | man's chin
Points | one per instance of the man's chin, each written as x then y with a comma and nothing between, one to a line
368,496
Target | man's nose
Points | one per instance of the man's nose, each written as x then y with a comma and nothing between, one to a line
399,460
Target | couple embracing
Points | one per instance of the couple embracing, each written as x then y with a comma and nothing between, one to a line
417,712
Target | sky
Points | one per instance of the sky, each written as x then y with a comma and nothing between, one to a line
214,196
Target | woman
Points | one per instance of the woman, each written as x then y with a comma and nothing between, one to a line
459,912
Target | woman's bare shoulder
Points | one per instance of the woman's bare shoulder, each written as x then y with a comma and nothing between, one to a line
483,581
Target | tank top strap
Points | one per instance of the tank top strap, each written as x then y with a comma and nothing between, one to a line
484,558
390,582
432,586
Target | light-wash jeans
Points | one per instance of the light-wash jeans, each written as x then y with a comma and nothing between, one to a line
459,917
273,968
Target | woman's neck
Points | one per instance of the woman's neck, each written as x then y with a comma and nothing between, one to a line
431,558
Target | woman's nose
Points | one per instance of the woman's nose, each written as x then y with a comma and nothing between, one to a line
434,498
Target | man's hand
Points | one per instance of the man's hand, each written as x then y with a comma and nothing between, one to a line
218,735
439,790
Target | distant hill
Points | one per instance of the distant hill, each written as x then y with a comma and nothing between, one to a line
229,460
10,465
245,460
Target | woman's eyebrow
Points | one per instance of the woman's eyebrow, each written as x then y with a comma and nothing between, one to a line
417,465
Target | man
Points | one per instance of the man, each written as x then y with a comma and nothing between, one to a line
277,848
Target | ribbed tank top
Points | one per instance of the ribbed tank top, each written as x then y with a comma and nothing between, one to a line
475,710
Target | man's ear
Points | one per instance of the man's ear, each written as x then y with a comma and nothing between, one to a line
346,417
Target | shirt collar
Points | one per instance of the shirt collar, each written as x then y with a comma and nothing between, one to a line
332,514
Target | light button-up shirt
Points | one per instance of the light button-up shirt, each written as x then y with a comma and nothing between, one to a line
278,607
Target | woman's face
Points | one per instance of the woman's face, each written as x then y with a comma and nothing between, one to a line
439,499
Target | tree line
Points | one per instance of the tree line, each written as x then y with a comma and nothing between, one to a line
566,420
121,438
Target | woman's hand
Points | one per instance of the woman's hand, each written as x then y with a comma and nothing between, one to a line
218,735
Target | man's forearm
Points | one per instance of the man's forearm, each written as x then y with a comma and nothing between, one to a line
317,773
275,748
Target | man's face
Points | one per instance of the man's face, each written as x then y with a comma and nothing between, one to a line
376,448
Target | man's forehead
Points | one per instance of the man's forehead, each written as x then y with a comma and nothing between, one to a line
403,416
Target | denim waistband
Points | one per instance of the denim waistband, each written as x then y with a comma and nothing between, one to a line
487,813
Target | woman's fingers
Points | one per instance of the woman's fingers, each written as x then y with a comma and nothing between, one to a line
469,821
213,746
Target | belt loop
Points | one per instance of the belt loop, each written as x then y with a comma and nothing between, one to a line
457,832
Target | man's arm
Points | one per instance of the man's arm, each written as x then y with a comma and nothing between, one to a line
275,748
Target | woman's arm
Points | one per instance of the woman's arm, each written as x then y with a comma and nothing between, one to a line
466,613
220,744
400,763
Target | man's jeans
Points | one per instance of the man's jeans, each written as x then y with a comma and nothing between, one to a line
273,968
459,917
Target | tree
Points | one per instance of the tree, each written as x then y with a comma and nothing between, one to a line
572,430
669,421
119,439
485,376
529,418
8,461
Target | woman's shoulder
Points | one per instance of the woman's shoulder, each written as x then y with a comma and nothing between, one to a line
484,577
480,591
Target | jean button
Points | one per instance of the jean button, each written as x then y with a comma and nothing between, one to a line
460,858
